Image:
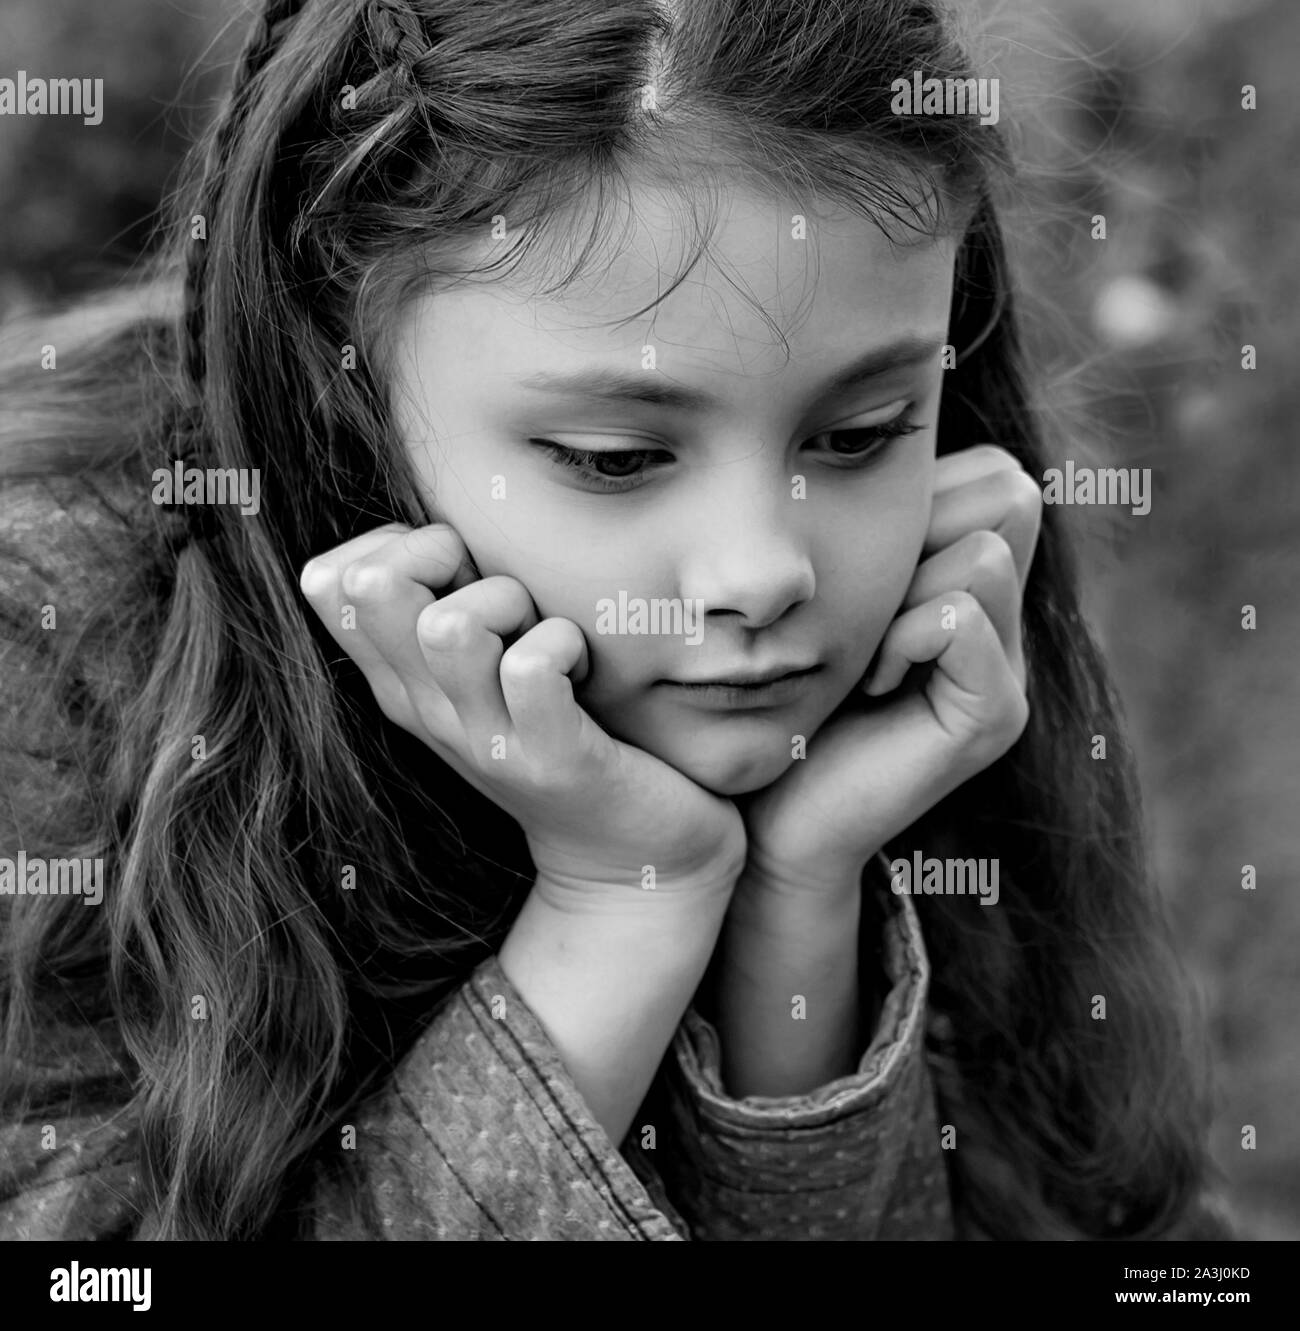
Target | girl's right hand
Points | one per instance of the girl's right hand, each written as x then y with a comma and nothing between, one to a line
595,811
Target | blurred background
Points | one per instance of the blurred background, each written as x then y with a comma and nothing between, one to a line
1133,112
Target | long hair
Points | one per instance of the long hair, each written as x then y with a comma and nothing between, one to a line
320,878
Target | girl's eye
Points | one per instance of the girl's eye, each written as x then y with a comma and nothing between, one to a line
604,469
866,442
624,469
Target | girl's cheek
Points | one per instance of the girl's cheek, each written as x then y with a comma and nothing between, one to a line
874,579
913,509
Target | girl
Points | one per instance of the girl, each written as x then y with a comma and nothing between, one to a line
442,897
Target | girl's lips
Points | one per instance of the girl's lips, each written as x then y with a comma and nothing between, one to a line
774,693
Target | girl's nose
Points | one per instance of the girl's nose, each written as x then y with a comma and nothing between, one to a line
747,551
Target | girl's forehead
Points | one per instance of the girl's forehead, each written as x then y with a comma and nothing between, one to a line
724,271
746,349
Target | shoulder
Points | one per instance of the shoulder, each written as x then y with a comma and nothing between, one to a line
73,550
70,535
69,1159
75,564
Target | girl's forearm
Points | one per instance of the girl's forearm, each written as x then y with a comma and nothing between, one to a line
787,989
609,977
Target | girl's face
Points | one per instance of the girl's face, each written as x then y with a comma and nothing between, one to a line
702,508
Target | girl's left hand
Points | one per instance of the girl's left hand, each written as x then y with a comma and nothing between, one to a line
872,770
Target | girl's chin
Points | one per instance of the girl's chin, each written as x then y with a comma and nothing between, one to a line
731,771
729,754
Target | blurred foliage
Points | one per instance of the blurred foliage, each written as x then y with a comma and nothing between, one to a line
1141,335
77,199
1133,112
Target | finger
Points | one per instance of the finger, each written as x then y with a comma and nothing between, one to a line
537,677
319,582
971,464
460,643
1004,501
339,556
434,556
981,563
370,591
951,630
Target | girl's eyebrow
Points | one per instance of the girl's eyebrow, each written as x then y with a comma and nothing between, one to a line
620,386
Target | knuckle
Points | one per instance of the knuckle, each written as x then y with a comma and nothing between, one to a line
367,579
445,627
994,555
995,456
510,592
317,579
526,664
1024,494
1013,718
966,605
436,544
557,629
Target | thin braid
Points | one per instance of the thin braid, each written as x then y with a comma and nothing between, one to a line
258,49
399,35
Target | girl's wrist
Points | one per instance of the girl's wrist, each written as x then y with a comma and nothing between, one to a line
782,942
832,879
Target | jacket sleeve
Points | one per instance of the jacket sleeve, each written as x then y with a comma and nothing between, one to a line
858,1158
480,1133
